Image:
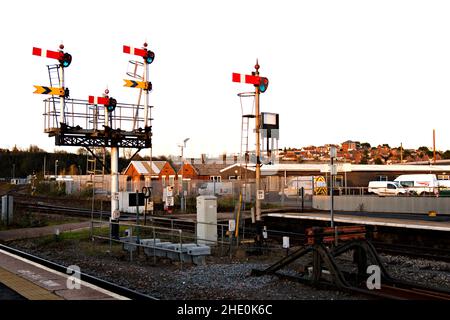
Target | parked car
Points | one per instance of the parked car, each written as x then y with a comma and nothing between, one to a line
386,188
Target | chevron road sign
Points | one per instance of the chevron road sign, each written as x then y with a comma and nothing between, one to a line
49,90
138,84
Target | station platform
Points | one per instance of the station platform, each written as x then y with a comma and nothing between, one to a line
382,219
33,281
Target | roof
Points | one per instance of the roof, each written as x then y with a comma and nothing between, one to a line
211,169
348,167
159,164
237,165
146,168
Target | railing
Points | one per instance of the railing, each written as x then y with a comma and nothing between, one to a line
410,192
79,113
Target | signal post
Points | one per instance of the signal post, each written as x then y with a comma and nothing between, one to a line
261,84
79,127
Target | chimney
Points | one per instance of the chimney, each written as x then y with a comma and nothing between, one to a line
224,158
235,158
203,158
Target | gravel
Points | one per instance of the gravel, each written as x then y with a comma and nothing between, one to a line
221,278
426,272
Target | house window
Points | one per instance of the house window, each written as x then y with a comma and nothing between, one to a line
215,178
163,181
171,180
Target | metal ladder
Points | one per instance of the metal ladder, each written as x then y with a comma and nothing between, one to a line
97,175
55,81
244,136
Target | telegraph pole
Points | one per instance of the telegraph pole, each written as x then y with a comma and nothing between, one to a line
258,162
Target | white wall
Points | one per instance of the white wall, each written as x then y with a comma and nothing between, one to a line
384,204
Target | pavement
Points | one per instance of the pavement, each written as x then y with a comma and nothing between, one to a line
26,233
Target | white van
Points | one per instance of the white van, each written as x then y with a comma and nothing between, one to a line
216,188
386,188
294,185
419,183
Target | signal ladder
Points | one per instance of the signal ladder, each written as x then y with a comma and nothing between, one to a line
97,176
55,81
244,138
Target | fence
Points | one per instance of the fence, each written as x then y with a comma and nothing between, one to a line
183,233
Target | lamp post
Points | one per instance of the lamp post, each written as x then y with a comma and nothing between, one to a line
332,173
56,168
182,200
182,146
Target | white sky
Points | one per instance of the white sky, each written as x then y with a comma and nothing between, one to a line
376,71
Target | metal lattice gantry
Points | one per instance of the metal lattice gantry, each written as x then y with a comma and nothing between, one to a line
86,125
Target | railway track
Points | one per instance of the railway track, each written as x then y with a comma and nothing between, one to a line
67,211
71,211
405,291
109,286
440,254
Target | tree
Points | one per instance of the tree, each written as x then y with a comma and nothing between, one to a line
82,152
365,145
34,149
406,153
446,155
378,161
423,149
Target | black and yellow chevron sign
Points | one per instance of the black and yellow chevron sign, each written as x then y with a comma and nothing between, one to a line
49,90
138,84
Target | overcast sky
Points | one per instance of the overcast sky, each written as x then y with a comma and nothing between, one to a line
376,71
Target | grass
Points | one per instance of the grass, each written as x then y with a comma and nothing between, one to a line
27,219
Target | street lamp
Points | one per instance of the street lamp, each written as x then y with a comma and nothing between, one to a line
56,168
183,202
182,146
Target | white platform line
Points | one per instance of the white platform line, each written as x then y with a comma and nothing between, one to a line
83,283
368,222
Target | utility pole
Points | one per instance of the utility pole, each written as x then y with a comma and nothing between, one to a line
401,152
332,173
434,146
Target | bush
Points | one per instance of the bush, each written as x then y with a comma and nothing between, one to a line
47,188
